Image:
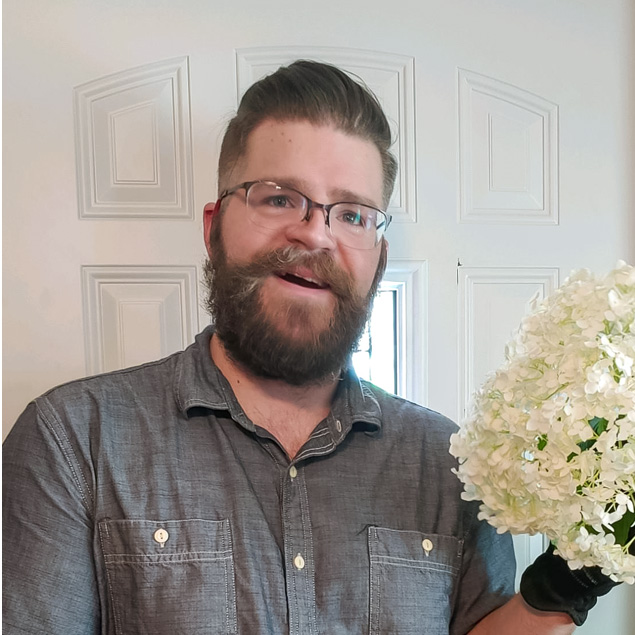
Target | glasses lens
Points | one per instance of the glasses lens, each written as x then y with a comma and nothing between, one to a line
273,205
357,226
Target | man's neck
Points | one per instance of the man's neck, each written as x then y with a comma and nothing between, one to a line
290,413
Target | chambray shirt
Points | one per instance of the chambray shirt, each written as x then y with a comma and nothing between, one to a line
145,501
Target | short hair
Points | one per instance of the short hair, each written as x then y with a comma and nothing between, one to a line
316,92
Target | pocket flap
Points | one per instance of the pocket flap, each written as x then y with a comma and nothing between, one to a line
174,540
413,548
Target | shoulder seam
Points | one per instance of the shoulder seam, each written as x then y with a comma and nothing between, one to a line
112,373
69,454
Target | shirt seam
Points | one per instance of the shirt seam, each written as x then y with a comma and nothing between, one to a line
315,451
113,373
319,432
308,531
66,448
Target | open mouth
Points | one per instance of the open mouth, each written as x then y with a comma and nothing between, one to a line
301,281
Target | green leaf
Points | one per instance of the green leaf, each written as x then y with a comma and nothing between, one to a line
599,425
622,528
542,442
585,445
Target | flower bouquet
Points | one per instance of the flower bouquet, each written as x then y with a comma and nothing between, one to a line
549,446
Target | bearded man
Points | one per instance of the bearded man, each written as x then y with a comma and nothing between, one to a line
252,483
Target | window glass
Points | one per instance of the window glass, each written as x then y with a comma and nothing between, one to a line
375,357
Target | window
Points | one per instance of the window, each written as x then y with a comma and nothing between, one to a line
375,358
391,352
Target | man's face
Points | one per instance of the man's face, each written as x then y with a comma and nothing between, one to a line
291,303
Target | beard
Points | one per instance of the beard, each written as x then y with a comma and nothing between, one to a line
292,341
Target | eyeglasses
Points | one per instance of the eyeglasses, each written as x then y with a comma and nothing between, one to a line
273,206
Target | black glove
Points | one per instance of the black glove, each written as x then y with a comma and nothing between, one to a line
550,585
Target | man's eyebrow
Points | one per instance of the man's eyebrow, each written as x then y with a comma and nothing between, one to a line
336,195
346,196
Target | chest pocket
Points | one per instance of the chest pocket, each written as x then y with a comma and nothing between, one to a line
172,577
412,576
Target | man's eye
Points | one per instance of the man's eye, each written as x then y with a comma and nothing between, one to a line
278,201
351,218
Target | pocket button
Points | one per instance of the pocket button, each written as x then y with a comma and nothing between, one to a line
161,536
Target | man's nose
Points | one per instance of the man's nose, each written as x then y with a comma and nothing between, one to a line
313,231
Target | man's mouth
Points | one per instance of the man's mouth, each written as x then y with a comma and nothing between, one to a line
303,279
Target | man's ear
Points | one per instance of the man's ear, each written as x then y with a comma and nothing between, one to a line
210,214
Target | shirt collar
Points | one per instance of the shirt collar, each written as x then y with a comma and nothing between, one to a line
200,384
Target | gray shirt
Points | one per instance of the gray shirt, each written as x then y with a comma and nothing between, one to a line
145,501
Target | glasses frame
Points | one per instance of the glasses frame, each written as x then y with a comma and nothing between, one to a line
311,205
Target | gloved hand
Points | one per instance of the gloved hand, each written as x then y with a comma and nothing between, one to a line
550,585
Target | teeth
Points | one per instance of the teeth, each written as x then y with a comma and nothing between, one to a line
317,283
308,279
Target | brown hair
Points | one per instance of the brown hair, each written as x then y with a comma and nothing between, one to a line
319,93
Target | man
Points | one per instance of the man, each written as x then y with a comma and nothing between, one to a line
252,484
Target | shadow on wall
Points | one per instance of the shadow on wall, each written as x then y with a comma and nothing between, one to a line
628,594
627,598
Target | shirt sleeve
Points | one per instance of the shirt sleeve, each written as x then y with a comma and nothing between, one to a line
487,573
49,583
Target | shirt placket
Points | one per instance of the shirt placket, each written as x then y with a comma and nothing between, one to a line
298,553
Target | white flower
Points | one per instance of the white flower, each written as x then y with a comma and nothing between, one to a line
549,446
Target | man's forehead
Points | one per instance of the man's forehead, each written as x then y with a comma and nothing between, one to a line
271,130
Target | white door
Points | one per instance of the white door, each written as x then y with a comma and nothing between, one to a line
515,142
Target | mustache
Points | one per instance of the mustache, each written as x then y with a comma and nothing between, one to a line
279,261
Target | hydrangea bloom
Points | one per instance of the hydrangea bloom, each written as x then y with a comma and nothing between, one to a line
549,446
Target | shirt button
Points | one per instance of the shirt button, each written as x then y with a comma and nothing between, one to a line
293,472
338,425
427,546
161,536
298,561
